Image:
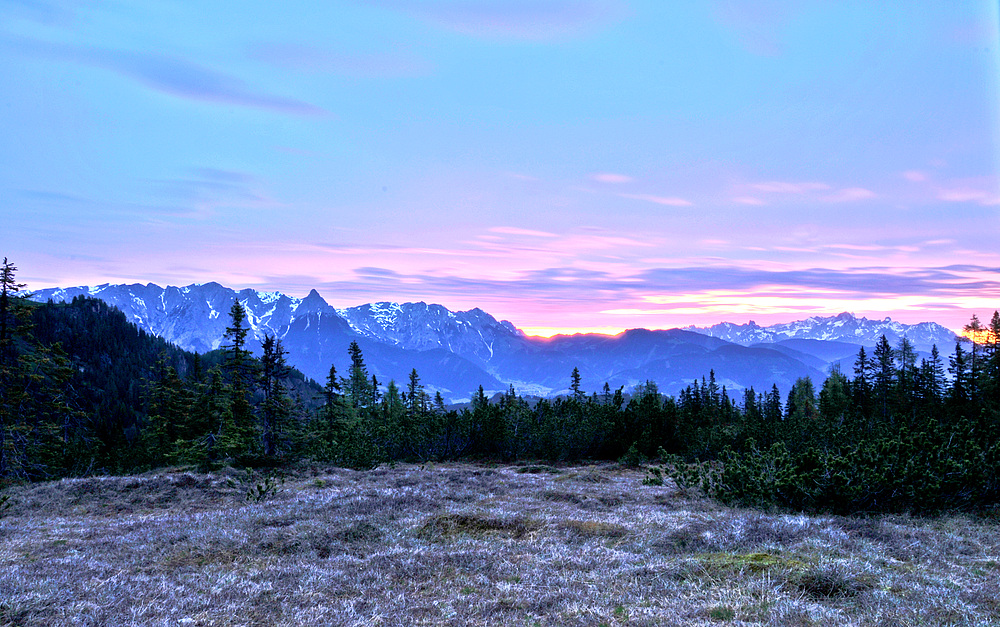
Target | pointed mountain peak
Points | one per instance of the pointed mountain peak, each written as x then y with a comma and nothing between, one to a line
312,303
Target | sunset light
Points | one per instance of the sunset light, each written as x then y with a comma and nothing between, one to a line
570,166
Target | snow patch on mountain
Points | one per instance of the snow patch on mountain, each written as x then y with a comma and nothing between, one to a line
844,327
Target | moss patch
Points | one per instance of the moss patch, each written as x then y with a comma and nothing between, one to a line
475,525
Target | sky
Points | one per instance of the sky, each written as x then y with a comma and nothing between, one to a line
568,165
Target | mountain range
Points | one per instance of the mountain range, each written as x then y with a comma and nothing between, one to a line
455,352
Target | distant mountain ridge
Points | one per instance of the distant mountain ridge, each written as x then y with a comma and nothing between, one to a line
845,327
456,352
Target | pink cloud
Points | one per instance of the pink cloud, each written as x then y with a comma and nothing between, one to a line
660,200
749,200
850,194
521,177
968,194
856,247
513,230
781,187
914,175
609,177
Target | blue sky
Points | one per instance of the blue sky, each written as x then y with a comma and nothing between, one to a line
564,164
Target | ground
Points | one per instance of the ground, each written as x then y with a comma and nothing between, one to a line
462,544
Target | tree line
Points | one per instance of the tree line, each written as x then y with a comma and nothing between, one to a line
84,391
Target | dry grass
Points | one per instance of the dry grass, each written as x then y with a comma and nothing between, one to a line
462,544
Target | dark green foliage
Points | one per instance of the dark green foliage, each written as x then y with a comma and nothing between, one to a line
654,477
632,457
257,486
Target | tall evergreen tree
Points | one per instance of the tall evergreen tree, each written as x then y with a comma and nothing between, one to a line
38,427
976,334
884,377
358,386
11,317
993,362
239,434
277,403
834,398
574,385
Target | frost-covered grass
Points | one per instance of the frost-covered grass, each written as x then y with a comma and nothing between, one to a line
462,544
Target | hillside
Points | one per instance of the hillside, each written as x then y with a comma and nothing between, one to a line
104,367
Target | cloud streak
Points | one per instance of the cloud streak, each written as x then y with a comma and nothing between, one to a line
610,177
174,76
670,201
686,295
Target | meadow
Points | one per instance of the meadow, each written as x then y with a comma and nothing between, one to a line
463,544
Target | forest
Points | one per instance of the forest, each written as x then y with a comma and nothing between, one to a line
85,392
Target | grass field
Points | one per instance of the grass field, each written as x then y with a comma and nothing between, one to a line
461,544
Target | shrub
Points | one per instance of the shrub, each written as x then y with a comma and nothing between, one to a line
258,487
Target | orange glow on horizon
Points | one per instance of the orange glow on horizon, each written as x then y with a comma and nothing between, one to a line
982,338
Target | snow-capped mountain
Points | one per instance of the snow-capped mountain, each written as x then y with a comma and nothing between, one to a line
394,337
195,317
455,352
844,327
474,334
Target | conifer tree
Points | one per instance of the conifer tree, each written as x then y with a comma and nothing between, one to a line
976,332
884,376
574,385
861,386
11,315
416,399
959,395
993,362
834,399
277,404
37,424
239,435
358,386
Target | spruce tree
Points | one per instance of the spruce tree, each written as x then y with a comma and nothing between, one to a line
239,435
358,387
277,403
574,385
39,430
884,377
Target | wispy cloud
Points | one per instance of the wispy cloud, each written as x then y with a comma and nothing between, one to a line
813,189
849,194
968,194
685,295
514,19
610,177
173,75
749,200
782,187
510,230
670,201
203,191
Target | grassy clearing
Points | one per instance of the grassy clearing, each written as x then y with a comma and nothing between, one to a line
461,544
